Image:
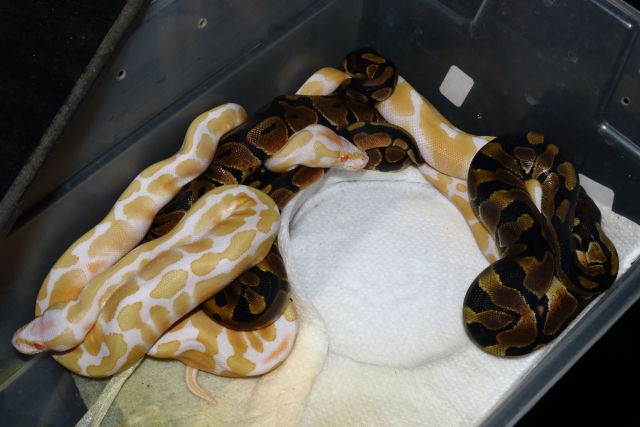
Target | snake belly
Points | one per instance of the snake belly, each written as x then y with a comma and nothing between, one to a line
554,259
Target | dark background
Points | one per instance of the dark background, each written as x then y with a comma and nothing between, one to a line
45,47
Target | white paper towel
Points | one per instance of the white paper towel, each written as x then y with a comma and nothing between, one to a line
386,261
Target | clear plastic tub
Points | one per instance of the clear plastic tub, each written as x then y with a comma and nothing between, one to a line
567,69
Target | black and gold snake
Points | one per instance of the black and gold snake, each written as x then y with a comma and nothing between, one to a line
554,260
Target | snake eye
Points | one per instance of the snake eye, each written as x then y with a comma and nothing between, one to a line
344,158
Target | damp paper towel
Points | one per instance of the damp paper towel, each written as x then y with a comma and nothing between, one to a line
379,265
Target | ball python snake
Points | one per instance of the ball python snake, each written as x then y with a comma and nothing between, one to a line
99,315
441,144
121,312
553,259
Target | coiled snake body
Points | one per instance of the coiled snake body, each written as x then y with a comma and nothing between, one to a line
553,259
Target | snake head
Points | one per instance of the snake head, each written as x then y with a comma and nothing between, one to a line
373,77
22,342
351,158
317,146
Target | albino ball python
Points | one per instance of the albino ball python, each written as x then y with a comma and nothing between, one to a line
115,318
100,317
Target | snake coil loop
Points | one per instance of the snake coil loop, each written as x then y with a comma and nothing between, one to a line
554,258
373,77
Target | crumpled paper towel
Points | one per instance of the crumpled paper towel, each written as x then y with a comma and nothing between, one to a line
379,265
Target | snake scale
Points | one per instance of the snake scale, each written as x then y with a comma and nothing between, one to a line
230,312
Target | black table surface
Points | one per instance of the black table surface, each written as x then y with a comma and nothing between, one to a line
44,63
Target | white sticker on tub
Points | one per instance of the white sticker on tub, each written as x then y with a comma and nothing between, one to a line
456,86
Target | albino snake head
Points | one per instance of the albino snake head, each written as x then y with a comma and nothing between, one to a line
352,160
317,146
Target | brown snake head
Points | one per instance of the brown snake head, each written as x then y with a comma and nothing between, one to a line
373,77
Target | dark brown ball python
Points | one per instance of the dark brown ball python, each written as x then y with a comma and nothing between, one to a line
258,296
554,260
